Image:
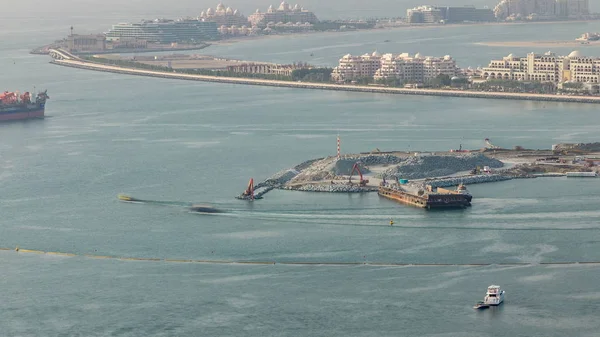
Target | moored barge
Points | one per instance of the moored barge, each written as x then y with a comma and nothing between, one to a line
429,198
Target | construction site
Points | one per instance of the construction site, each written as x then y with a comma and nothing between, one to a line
428,173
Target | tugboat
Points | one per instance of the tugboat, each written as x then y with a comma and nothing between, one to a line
462,189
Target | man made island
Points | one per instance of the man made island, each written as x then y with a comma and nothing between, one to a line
414,177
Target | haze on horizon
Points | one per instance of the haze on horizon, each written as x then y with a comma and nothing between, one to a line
330,9
50,20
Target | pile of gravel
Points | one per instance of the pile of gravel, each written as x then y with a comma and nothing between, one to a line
367,160
343,167
419,167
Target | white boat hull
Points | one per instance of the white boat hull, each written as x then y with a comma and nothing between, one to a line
494,301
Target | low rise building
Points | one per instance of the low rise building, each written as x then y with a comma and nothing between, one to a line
266,68
404,67
547,67
82,43
165,31
354,67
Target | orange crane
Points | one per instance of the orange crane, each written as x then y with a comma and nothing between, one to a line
362,182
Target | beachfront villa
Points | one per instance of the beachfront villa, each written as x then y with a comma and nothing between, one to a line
413,69
284,13
541,9
224,16
545,68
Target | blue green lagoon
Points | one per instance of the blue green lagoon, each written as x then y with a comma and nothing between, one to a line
185,142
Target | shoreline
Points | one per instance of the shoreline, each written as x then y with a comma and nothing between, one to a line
237,39
326,86
538,44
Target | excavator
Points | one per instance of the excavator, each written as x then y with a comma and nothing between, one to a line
362,182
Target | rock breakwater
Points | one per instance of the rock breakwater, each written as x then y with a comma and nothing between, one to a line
331,188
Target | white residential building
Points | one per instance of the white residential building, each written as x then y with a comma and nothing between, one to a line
506,9
413,69
354,67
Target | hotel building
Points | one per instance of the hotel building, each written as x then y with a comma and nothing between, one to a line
165,31
412,69
224,16
284,14
545,68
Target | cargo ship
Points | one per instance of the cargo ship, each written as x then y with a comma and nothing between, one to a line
429,198
15,107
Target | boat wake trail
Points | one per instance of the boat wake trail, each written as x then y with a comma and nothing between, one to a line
192,207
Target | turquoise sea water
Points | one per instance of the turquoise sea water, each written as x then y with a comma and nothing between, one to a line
201,142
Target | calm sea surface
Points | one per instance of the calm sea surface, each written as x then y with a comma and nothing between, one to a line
199,142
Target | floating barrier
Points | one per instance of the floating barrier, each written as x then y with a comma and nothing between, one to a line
300,263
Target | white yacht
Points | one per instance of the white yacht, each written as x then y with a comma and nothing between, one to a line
494,296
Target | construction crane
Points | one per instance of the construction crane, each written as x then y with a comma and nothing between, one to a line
362,182
489,145
249,192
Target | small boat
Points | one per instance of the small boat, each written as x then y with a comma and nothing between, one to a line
481,305
494,296
204,209
124,197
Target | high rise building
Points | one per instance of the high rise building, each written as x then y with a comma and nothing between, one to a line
433,14
548,8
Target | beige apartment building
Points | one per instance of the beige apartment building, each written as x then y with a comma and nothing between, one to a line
353,67
545,68
413,69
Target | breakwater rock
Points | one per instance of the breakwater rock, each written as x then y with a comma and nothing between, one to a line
467,180
419,167
331,188
586,147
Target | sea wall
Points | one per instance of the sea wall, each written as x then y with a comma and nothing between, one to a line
331,188
326,86
467,180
